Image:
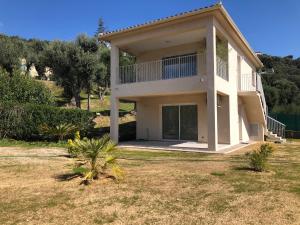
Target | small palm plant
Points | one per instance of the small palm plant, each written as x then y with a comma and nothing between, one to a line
95,158
59,132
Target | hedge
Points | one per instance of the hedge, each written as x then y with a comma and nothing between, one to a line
22,121
22,89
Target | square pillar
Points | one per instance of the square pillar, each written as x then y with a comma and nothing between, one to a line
114,66
233,72
114,119
114,101
212,117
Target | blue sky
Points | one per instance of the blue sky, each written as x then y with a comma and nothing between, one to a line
270,26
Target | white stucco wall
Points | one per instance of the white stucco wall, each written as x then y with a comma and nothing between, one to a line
149,115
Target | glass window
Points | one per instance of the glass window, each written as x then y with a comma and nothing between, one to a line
179,66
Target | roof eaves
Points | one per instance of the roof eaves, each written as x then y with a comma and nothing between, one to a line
158,21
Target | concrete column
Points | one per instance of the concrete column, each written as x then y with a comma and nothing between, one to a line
114,65
114,101
233,95
212,117
114,119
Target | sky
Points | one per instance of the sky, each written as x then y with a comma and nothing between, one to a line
270,26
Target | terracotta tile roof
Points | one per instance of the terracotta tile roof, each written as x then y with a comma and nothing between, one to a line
158,20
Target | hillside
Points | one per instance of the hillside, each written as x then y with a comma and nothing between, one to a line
96,106
282,88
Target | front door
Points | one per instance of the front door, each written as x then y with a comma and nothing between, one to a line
180,122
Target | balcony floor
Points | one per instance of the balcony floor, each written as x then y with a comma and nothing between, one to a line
187,146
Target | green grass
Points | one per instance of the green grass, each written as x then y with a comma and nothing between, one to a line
30,144
159,187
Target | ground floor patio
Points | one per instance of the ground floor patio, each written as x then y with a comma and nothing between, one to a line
189,146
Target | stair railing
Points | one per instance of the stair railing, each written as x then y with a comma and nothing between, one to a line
276,127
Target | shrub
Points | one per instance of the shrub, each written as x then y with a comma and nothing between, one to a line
71,145
23,121
58,132
258,158
96,157
20,88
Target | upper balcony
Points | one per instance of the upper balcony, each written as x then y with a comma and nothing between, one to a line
174,67
251,84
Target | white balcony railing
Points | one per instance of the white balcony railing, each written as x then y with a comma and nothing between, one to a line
168,68
252,82
247,82
222,68
260,89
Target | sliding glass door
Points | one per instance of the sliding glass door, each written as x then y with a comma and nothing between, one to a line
179,122
170,115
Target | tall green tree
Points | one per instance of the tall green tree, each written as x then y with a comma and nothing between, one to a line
64,59
35,55
12,50
88,63
101,28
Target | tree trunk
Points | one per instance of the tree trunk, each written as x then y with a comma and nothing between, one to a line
89,101
77,100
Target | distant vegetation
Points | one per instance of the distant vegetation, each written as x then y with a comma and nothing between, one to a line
82,65
43,109
282,88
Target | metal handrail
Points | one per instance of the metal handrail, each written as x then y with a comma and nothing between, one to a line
260,89
169,68
275,126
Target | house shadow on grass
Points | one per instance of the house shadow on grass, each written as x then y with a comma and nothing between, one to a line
243,168
66,176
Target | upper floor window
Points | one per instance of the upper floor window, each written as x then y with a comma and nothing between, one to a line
179,66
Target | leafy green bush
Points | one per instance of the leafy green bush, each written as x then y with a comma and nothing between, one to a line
23,121
72,150
20,88
258,158
96,157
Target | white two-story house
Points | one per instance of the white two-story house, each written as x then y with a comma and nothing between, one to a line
195,79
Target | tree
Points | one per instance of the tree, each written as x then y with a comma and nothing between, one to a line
102,78
34,56
64,60
12,51
88,64
287,91
100,28
272,96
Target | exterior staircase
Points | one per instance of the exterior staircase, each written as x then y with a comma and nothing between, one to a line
275,130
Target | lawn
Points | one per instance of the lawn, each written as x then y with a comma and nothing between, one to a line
159,188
